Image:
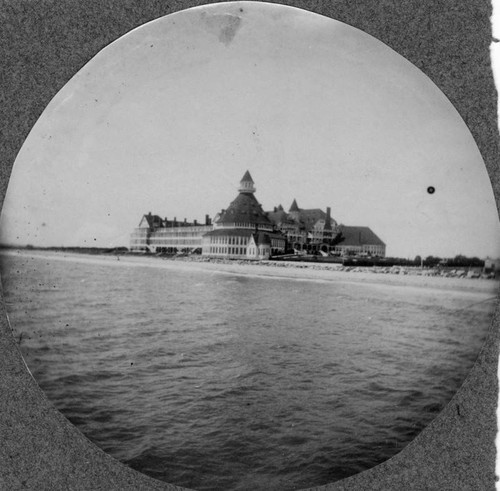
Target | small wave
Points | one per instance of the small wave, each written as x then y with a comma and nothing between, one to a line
411,397
432,408
294,440
215,386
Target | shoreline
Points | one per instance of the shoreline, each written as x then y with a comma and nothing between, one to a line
319,272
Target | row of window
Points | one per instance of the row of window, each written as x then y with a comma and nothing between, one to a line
250,226
361,248
195,242
175,240
187,232
180,226
180,233
236,240
280,243
234,251
253,251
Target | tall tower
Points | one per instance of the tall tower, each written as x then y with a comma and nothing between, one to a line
328,219
247,184
294,211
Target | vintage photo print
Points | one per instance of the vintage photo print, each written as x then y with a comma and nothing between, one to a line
248,246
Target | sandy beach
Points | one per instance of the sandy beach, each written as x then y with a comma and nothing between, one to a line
271,269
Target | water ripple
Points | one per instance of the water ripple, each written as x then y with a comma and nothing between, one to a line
221,382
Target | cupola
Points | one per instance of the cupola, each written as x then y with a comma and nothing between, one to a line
247,184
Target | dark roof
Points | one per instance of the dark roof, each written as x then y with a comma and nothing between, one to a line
306,218
279,216
294,206
245,209
357,236
310,217
153,220
328,220
247,177
177,223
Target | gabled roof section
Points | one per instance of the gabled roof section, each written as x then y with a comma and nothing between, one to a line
358,236
279,216
310,217
303,218
153,221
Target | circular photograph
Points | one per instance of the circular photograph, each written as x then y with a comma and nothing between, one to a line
248,247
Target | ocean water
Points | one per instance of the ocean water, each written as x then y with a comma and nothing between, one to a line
228,382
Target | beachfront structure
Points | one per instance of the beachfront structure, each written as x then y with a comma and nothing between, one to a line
245,231
359,241
307,230
492,266
156,234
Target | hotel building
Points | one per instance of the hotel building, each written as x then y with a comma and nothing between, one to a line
245,231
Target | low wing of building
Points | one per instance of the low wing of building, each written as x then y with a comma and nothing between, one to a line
156,234
359,241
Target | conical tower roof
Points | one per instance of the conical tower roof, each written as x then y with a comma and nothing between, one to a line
247,177
294,206
247,184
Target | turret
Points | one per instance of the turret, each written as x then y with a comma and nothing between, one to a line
294,211
247,184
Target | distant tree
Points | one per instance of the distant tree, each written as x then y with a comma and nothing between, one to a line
477,263
120,249
418,260
461,261
431,261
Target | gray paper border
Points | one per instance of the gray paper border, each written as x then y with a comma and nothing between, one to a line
43,43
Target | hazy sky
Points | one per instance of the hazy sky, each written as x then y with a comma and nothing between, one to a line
168,118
